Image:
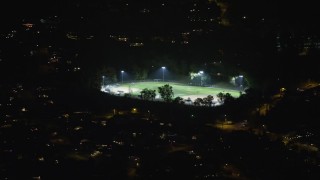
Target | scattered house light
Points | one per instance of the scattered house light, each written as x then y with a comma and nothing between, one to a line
136,44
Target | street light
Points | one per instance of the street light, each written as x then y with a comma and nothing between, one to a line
163,68
122,76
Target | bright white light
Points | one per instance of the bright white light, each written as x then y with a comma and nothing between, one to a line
122,76
163,67
200,72
241,76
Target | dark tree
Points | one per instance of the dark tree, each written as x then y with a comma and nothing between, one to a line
228,98
208,101
198,102
178,100
166,92
220,97
148,94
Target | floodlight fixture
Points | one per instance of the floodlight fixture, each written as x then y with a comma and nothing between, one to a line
163,68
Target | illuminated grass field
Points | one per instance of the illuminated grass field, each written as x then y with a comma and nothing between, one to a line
181,90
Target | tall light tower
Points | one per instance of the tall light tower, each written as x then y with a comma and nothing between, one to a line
201,75
241,82
122,76
163,68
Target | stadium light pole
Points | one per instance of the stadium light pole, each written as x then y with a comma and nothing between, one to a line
163,68
201,74
241,82
122,76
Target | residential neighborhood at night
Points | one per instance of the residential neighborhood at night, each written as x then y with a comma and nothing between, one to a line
190,89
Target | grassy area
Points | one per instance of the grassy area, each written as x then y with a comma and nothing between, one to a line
178,89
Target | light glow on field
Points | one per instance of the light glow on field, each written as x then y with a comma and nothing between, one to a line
184,91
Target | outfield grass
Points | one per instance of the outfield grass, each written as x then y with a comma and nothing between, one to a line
178,89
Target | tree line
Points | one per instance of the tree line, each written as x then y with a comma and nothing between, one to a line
167,94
